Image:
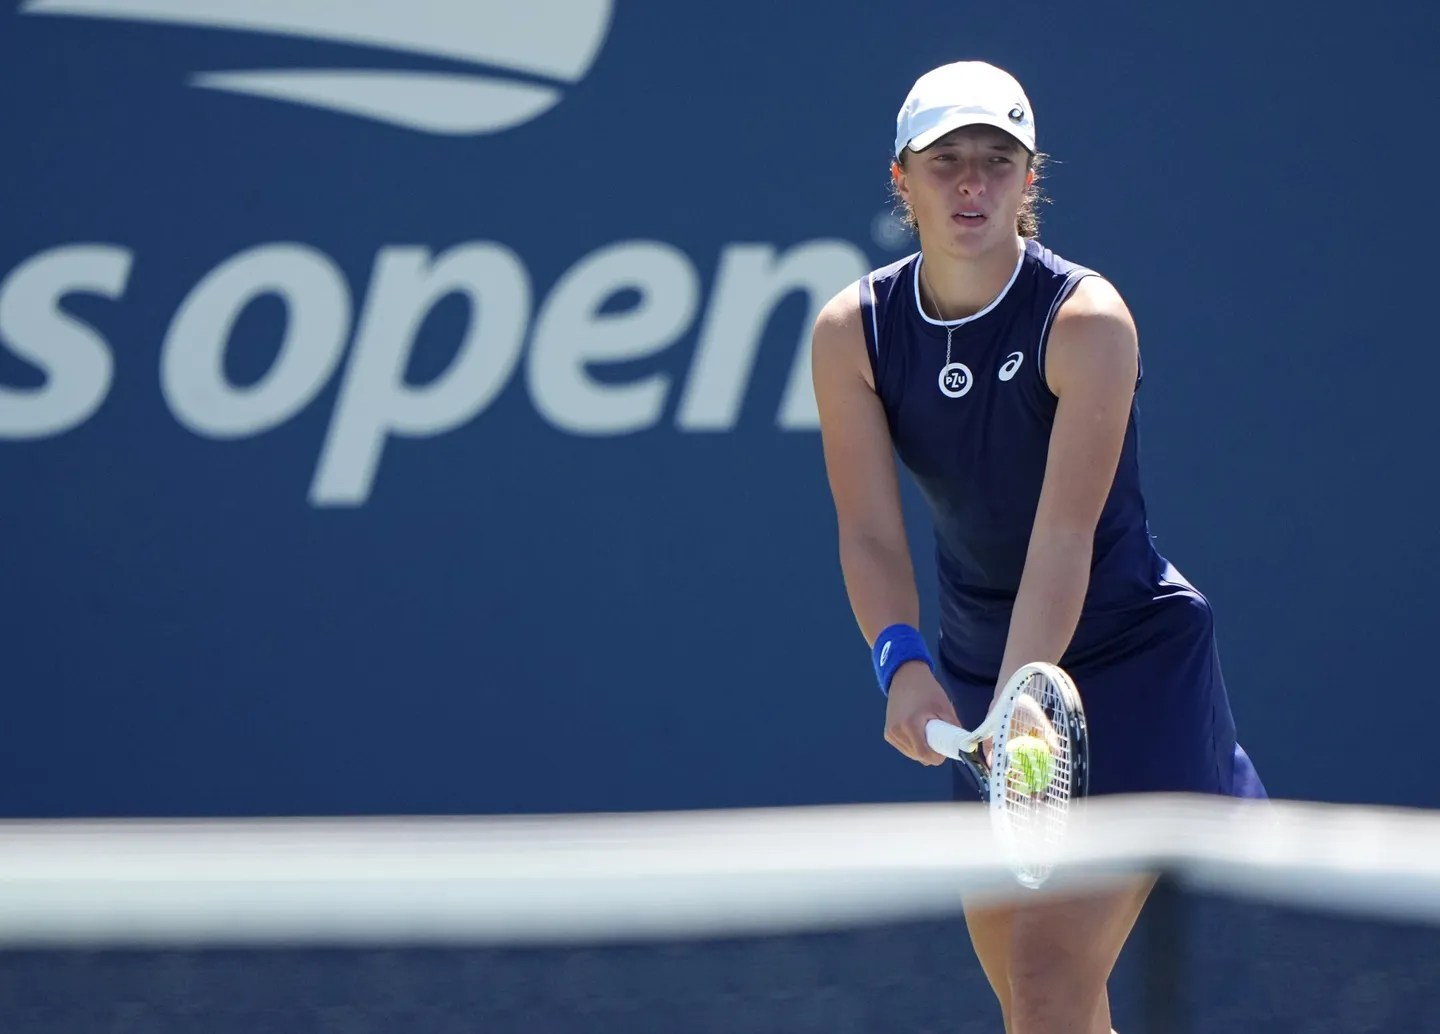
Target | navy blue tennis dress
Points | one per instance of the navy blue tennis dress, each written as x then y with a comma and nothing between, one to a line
974,433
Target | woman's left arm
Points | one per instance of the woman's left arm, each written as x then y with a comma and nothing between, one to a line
1091,363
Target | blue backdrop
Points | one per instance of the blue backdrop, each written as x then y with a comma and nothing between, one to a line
410,412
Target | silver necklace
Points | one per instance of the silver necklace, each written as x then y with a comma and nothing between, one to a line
955,378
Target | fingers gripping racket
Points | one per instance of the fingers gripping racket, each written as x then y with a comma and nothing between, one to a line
1039,764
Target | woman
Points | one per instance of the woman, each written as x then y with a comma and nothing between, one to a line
1004,378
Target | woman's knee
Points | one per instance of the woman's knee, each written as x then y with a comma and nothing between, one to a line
1059,961
1067,971
1065,1002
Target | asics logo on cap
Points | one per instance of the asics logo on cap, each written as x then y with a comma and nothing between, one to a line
546,45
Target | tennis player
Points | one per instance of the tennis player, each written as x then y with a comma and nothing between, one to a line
1004,377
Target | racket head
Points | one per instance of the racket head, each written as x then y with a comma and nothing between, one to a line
1039,701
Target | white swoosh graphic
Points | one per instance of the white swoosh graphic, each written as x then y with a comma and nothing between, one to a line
555,38
434,102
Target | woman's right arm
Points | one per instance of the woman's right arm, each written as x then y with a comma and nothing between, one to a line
874,551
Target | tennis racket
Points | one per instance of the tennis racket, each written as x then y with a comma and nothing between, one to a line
1038,765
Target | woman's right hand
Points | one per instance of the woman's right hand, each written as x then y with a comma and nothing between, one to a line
915,698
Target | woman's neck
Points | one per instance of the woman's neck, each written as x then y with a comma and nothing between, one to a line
953,287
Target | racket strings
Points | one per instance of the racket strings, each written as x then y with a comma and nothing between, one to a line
1037,815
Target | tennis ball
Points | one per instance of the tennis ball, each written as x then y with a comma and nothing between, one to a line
1031,767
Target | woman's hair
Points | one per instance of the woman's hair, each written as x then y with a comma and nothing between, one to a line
1027,220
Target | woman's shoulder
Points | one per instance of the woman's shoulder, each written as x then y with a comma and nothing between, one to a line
894,272
1045,262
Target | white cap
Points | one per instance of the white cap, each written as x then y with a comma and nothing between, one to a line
966,93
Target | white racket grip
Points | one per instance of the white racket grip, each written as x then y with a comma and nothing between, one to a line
947,739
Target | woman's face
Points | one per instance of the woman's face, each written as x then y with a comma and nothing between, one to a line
966,189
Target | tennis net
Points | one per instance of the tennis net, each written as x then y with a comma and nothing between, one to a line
1273,916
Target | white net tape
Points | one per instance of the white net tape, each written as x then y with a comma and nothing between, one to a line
569,878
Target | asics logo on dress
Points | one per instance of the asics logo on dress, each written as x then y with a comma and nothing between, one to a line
531,51
1012,364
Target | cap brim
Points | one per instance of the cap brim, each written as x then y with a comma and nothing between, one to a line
920,141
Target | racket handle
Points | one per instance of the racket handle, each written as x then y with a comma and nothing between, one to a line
947,739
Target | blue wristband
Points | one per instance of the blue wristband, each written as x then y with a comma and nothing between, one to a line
897,645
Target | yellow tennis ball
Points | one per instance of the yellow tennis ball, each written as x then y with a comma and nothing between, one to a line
1031,767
